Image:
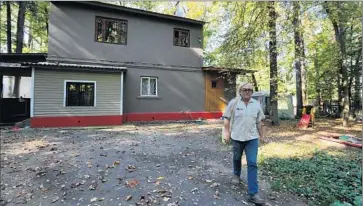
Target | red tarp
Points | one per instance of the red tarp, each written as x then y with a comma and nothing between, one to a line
336,139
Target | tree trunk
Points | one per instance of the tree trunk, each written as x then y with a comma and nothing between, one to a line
46,21
20,27
8,26
303,69
357,85
298,58
340,89
339,29
254,82
273,63
317,82
30,39
19,41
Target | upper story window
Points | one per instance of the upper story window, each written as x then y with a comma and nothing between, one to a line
112,31
181,37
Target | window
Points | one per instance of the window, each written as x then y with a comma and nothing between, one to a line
112,31
80,93
214,83
181,37
149,86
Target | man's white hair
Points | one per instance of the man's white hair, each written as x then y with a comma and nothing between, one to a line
242,85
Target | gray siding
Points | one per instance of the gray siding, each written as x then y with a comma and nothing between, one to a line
49,93
177,91
72,33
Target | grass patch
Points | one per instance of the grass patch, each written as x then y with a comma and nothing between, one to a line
322,178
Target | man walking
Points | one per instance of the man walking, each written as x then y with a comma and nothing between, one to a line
243,124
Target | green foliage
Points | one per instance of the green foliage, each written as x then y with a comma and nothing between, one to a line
338,203
322,178
36,26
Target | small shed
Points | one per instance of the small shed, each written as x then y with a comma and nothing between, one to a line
220,86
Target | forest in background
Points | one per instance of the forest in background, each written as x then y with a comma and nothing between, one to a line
309,49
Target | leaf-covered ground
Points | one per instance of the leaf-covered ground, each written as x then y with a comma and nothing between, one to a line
323,172
142,164
154,164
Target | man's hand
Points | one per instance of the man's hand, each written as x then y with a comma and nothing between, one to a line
227,136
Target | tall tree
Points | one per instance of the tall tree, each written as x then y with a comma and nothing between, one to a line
8,26
273,63
20,27
19,40
334,10
299,61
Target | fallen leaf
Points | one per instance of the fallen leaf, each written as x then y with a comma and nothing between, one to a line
166,199
132,183
62,172
116,163
173,204
94,199
74,185
129,197
55,199
160,178
53,149
215,185
244,202
209,181
130,168
93,186
216,195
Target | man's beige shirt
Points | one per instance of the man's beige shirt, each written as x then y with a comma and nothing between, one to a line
246,118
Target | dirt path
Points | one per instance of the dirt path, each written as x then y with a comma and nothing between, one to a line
165,164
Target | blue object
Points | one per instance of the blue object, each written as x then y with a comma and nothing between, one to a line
250,148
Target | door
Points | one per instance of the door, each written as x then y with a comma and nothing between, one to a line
214,86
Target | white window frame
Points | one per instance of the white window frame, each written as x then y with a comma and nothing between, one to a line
148,90
78,81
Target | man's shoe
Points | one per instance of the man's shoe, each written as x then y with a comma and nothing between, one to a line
256,199
235,180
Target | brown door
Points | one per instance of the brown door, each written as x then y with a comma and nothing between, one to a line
214,86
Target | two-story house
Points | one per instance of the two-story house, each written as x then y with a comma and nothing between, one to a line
107,64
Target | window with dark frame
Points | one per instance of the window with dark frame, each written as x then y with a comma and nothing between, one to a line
113,31
80,94
181,37
149,86
214,83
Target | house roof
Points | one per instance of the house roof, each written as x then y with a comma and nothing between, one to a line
106,6
66,66
225,69
22,57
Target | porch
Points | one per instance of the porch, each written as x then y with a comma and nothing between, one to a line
15,86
